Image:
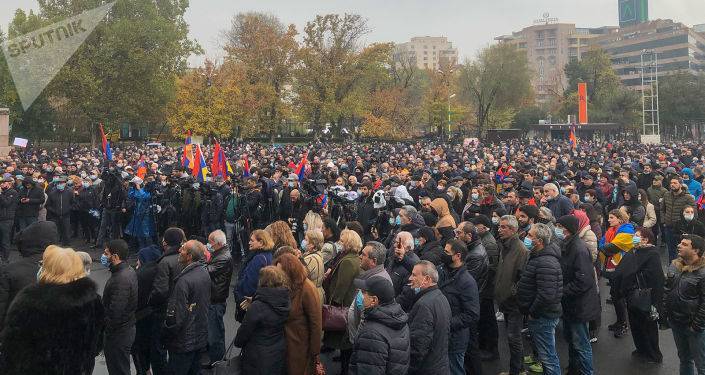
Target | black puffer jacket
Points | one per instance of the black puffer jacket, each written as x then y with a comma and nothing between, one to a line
63,322
492,250
31,208
540,287
399,270
9,199
168,268
684,300
382,345
429,324
478,264
220,270
460,289
581,303
186,323
59,203
261,334
120,298
31,243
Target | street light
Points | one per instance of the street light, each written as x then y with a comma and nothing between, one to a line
450,96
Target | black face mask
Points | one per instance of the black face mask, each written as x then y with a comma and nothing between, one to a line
542,220
447,259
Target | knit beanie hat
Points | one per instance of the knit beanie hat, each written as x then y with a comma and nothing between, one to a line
570,223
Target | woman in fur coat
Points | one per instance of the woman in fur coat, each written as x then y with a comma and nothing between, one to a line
55,326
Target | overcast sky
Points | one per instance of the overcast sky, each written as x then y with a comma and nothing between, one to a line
469,24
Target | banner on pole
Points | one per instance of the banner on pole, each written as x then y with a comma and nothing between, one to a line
582,103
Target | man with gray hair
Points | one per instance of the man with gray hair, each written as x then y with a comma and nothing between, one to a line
559,204
185,328
513,256
429,322
401,260
220,270
540,290
372,257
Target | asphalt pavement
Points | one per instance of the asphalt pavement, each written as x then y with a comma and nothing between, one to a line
610,355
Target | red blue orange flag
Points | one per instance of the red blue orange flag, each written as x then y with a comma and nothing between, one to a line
107,151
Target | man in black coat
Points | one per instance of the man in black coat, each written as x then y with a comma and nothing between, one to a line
540,289
382,345
580,300
185,328
120,303
477,261
58,207
9,198
401,260
429,322
31,243
366,212
460,289
220,269
30,200
168,268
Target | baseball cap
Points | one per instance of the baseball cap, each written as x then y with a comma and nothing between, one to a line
378,287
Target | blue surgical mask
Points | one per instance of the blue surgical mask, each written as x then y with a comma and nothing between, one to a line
196,186
304,244
417,290
397,221
559,233
587,198
104,260
359,304
305,227
209,247
85,185
475,196
417,242
528,243
545,178
39,273
61,187
562,190
636,240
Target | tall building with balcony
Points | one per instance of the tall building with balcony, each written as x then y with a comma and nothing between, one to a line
549,47
679,49
426,52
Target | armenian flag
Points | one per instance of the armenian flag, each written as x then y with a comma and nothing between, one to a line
107,151
573,139
622,239
200,168
245,166
219,164
141,168
301,168
187,158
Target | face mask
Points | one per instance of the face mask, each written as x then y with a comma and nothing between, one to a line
304,244
164,183
587,198
447,259
196,186
359,303
689,217
104,260
636,240
391,221
528,243
495,220
417,290
39,273
545,178
475,196
209,247
559,233
61,187
417,242
305,227
562,190
397,221
85,185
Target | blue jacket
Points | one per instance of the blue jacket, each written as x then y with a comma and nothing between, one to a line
142,222
248,277
694,187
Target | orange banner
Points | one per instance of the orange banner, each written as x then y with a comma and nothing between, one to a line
582,103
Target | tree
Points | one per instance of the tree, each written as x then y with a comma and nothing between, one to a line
528,115
681,100
331,68
498,79
268,52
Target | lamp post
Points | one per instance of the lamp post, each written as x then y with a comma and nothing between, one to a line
450,96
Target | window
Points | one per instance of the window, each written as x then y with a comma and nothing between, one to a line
434,47
425,52
425,47
552,60
552,42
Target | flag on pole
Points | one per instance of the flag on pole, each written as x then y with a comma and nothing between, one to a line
187,158
245,166
107,151
301,168
219,162
573,139
200,168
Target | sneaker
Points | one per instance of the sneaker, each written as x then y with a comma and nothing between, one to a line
535,368
614,326
593,340
528,360
621,332
499,316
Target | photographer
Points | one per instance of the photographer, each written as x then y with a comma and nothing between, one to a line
58,208
141,226
191,205
211,214
366,212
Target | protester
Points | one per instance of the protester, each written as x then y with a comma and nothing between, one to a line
61,316
313,260
259,255
220,270
401,260
120,304
674,202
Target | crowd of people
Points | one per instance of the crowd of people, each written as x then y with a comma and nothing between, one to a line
397,258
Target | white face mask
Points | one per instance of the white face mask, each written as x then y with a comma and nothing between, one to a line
689,217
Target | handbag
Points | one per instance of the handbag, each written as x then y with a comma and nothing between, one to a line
228,366
639,299
335,318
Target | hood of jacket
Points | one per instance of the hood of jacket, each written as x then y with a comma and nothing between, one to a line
389,314
552,250
683,267
440,205
276,298
418,220
36,237
689,172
